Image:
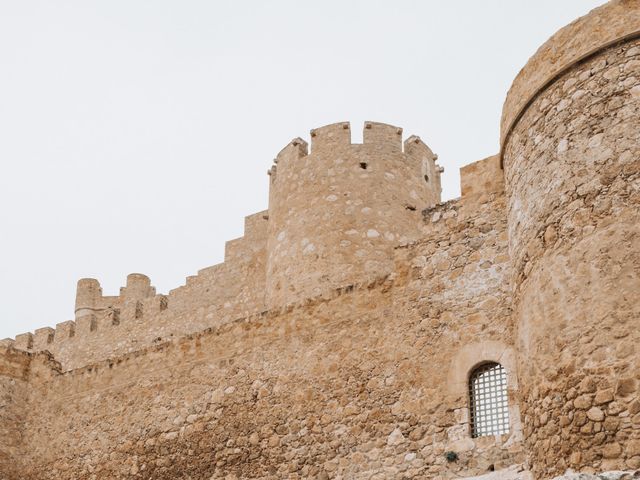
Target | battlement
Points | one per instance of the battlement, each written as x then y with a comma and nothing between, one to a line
136,300
415,146
336,186
329,140
295,150
114,325
331,136
363,328
89,298
339,135
382,134
481,178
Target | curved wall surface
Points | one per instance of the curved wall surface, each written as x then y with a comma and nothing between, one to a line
572,171
609,24
336,213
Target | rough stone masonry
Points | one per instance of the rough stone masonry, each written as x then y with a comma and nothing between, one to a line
363,329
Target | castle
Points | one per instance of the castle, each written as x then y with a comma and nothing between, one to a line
363,329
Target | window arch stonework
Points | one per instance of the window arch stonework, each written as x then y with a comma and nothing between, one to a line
465,361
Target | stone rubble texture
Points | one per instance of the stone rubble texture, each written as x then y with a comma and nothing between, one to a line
613,475
337,338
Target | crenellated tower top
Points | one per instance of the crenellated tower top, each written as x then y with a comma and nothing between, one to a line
336,211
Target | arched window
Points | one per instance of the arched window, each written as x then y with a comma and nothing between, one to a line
488,400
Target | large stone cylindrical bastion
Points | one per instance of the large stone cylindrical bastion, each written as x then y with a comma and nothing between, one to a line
571,156
336,213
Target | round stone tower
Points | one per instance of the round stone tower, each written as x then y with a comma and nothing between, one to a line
571,156
336,213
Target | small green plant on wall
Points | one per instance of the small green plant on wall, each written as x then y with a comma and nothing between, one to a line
451,456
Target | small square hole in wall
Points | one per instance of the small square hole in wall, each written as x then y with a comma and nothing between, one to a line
363,165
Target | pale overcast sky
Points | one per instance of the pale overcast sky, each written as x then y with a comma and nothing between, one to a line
136,135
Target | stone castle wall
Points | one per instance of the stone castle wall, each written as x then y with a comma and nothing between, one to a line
606,25
344,385
109,326
337,338
24,377
572,168
287,253
14,375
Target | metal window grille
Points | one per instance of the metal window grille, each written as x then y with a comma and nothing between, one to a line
488,399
